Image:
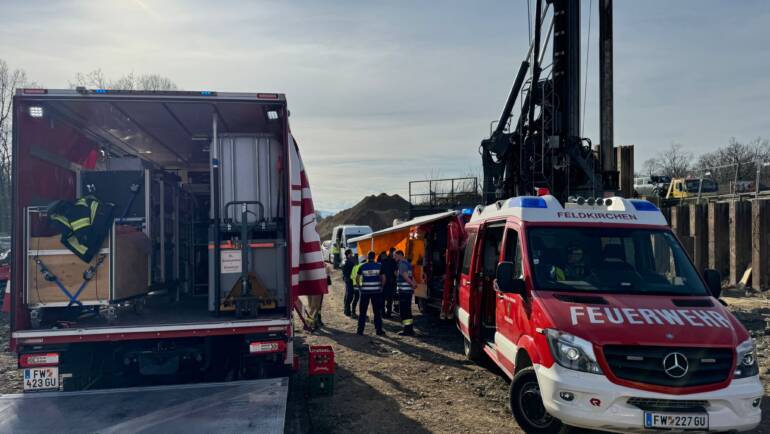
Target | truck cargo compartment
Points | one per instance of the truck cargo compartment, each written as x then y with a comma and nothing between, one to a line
156,158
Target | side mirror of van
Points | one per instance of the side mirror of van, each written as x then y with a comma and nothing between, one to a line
714,281
505,280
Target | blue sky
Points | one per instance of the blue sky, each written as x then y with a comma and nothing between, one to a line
386,92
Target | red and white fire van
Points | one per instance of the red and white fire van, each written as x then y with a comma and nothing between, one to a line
598,315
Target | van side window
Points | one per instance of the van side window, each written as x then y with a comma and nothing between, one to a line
469,253
493,240
513,251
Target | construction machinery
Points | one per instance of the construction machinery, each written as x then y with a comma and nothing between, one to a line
542,146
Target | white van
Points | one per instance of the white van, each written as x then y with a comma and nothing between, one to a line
340,236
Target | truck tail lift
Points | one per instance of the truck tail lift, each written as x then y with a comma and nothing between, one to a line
544,146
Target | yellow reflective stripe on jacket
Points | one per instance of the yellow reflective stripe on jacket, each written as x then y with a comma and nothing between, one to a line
80,223
61,220
75,244
407,321
94,207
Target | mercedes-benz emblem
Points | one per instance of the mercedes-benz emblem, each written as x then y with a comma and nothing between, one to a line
675,365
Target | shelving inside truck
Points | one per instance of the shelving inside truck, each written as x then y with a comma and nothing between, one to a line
155,156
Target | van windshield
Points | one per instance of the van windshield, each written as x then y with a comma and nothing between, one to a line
708,186
628,261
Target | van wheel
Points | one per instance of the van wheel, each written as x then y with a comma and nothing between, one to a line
527,405
472,350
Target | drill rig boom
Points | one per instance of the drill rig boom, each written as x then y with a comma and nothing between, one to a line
544,146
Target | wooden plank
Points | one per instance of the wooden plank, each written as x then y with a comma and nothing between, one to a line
740,239
699,233
760,224
719,237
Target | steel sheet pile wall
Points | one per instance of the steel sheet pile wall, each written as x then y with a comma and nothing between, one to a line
732,237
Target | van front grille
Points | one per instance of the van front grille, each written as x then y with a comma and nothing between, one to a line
643,364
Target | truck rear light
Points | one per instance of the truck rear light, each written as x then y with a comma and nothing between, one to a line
35,360
267,96
34,91
267,347
36,111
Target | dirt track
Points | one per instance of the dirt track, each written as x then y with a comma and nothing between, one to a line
400,384
423,384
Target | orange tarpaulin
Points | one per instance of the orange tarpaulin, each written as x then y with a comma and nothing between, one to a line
383,242
409,237
406,239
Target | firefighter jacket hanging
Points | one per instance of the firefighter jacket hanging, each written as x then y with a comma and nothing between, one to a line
83,225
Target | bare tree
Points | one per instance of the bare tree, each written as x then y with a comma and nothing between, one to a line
674,162
10,79
735,157
649,167
130,81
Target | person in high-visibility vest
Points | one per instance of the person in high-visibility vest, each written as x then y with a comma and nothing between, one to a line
372,281
336,255
405,286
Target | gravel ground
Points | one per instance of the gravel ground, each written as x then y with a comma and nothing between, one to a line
400,384
10,376
423,384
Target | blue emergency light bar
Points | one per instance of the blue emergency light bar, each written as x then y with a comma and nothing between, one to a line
528,202
643,205
83,90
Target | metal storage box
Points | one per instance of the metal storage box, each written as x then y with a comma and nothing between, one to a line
249,171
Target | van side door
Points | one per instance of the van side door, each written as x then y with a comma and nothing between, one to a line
466,301
511,313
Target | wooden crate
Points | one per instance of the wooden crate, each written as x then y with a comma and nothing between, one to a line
122,275
69,269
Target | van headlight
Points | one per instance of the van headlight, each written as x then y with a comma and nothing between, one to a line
746,365
572,352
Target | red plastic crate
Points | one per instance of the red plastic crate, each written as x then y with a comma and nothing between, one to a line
321,360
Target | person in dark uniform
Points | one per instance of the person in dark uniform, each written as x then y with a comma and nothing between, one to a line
405,286
372,282
389,268
350,293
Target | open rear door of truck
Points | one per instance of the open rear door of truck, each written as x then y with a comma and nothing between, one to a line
241,406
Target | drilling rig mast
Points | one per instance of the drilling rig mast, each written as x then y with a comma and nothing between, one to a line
543,147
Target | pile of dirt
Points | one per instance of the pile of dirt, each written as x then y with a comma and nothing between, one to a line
376,211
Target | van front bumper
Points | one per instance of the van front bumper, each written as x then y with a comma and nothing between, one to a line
600,404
